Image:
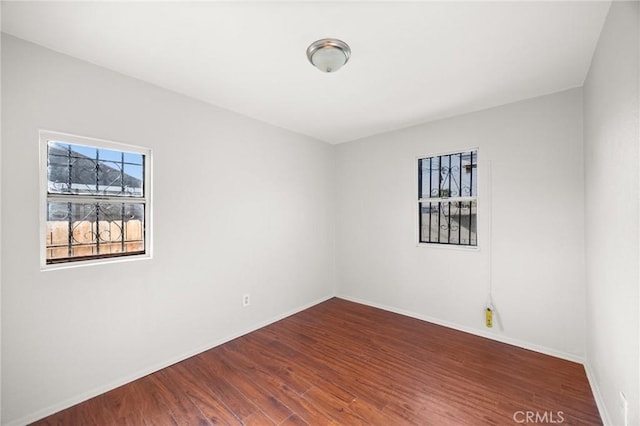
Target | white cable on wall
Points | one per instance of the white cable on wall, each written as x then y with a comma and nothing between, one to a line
490,232
490,304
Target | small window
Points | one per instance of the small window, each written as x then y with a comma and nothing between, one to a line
97,199
447,199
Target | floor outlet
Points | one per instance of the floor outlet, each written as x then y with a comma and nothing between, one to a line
246,300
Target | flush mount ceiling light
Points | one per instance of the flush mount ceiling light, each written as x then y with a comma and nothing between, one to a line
328,54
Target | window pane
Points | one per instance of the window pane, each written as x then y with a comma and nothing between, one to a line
468,176
76,169
449,222
94,229
451,175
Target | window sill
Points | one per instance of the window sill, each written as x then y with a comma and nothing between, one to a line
94,262
449,247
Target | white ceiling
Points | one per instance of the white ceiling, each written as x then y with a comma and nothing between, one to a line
411,62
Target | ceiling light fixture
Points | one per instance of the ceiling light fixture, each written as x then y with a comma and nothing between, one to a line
328,54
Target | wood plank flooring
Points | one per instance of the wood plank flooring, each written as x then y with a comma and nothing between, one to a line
342,363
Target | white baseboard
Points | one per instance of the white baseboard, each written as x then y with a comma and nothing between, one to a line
595,389
470,330
40,414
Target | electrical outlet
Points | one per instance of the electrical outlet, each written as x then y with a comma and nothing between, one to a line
246,300
625,409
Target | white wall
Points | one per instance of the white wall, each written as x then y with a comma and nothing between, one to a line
535,149
239,207
1,238
612,135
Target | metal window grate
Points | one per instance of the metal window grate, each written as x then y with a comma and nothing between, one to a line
96,204
447,199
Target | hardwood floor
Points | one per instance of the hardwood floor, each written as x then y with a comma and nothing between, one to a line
342,363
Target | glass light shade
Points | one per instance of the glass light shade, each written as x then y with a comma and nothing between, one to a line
329,59
328,54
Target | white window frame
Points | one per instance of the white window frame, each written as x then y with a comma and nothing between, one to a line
416,206
46,136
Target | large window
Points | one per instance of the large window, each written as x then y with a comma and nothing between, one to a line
97,199
447,199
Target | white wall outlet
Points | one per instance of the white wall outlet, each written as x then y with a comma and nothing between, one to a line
625,409
246,300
